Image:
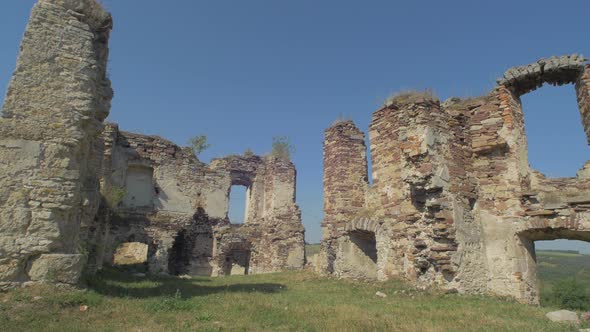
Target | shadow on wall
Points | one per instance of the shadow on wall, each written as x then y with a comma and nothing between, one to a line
120,283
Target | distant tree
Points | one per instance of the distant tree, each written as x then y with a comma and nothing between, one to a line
282,148
570,294
199,144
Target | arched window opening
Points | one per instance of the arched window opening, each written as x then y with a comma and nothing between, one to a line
238,204
557,144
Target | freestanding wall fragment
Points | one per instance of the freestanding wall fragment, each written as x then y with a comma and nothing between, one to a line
178,207
49,151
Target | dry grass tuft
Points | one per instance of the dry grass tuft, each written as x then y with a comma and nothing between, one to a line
410,97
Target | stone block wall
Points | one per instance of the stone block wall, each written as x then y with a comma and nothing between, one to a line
51,120
185,223
454,202
345,183
75,190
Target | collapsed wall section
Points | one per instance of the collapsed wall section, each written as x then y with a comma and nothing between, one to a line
51,118
179,207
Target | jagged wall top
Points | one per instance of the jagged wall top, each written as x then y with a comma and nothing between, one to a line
556,70
94,13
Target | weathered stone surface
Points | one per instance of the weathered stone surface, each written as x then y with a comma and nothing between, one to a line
57,268
75,190
131,253
179,207
51,120
563,316
454,202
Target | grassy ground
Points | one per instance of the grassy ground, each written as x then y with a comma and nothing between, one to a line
118,301
312,249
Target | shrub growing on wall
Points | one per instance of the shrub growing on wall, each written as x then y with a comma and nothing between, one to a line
113,195
199,144
282,148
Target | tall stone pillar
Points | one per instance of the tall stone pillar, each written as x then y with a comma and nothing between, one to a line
51,119
412,166
345,184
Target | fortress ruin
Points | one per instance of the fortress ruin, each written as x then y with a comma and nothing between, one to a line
454,202
75,191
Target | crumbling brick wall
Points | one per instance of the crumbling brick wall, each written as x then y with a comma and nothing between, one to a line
454,202
51,119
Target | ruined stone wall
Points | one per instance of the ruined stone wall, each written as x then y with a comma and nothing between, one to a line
179,207
454,202
51,118
345,184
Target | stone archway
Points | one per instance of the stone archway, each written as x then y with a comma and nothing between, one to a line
179,255
234,255
576,227
359,253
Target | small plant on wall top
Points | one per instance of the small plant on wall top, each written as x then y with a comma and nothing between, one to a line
198,144
282,148
248,153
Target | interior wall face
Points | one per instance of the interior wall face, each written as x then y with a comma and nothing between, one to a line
170,193
139,186
357,256
130,253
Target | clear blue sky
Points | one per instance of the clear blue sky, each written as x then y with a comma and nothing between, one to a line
242,72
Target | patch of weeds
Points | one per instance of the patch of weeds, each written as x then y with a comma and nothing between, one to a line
20,296
170,304
113,195
205,317
76,299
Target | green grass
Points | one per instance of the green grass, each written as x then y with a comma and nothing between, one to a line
288,301
312,249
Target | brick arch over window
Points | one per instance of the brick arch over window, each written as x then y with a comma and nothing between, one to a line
570,69
364,225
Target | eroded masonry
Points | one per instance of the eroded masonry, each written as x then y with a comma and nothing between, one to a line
77,194
454,202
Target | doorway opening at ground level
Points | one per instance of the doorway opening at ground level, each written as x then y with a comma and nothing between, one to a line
357,256
180,254
131,253
237,262
563,273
